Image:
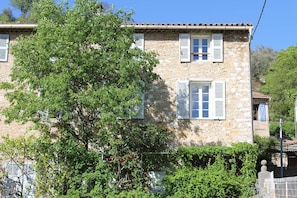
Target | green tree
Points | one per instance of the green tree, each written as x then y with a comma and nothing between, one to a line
281,85
6,15
261,59
25,6
79,81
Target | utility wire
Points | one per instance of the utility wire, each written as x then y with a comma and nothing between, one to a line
263,7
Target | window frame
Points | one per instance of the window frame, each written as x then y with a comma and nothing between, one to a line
217,100
200,99
215,47
200,47
5,47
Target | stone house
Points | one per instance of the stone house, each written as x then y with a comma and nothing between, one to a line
204,92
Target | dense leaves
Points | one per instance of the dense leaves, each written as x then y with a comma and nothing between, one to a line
213,171
78,80
261,59
281,85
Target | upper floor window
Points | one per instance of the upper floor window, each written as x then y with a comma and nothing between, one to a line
200,100
4,42
201,47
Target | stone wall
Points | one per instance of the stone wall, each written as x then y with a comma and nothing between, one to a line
161,99
235,71
13,129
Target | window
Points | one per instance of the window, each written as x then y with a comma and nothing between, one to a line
4,41
201,47
138,41
19,180
200,100
259,111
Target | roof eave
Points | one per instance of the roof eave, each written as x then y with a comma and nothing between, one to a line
189,27
17,26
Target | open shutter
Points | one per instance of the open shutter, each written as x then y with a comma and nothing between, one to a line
217,47
185,47
219,99
262,112
182,100
140,109
4,42
138,41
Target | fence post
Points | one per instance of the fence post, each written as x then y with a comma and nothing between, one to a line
264,190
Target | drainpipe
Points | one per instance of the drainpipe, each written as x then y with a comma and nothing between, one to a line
250,37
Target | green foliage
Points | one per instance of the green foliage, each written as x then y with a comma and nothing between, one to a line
18,151
24,6
6,15
76,79
213,171
267,146
281,85
261,59
288,129
131,194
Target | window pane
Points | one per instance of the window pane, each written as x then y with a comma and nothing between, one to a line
195,97
204,49
205,97
205,89
195,105
204,42
196,42
195,114
205,114
195,49
195,57
195,89
205,105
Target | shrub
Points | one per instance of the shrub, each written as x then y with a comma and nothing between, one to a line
213,171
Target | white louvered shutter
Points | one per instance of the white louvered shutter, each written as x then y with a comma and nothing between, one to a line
219,99
185,47
140,109
4,42
182,100
217,48
138,41
262,112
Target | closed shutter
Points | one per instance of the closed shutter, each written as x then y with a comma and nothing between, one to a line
219,99
182,100
185,47
4,41
262,112
138,41
217,48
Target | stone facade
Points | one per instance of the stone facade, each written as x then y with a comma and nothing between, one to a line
13,129
161,99
234,71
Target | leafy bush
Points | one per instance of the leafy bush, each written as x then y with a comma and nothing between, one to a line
267,146
213,171
213,181
288,129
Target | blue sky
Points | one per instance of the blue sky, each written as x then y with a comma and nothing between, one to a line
277,28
